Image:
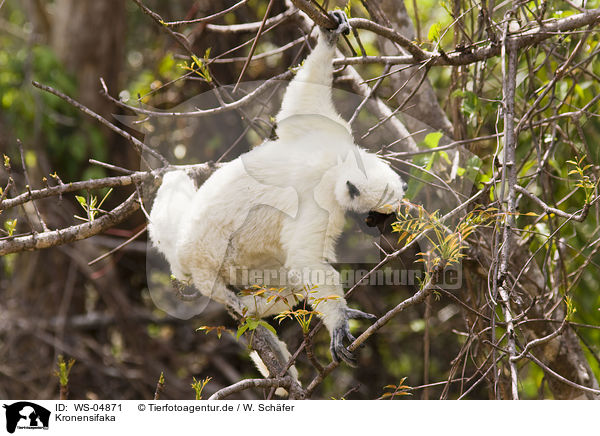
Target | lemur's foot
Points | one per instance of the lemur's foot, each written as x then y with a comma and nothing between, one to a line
342,21
338,349
343,27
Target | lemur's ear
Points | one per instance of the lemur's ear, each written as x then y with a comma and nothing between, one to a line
352,190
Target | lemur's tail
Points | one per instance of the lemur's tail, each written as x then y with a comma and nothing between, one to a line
283,355
171,204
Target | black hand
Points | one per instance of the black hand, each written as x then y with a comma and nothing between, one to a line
357,314
338,349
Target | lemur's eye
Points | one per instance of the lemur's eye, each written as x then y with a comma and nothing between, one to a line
404,186
352,190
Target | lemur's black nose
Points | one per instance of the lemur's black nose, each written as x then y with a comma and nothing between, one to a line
404,186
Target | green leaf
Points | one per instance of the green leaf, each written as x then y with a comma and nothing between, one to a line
528,165
241,330
267,326
434,32
348,9
82,201
166,65
30,159
457,93
196,60
10,226
470,104
432,139
445,156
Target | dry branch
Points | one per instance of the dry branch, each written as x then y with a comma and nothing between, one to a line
284,382
208,18
37,241
471,55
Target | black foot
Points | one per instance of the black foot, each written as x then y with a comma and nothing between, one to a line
342,21
343,27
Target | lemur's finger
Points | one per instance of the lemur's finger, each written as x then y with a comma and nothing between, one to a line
347,334
334,347
348,357
357,314
338,351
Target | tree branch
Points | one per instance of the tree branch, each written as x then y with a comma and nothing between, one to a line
417,52
284,382
526,39
417,298
208,18
579,216
510,57
319,17
53,238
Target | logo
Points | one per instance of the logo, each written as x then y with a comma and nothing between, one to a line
26,415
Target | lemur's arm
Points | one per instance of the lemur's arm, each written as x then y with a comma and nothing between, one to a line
306,266
309,93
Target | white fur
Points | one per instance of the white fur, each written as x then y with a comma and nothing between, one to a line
279,206
262,368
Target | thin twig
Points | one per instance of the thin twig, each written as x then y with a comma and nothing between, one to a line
556,375
579,216
118,247
260,29
251,27
248,98
138,145
28,186
208,18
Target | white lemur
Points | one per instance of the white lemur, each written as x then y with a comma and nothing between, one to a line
280,206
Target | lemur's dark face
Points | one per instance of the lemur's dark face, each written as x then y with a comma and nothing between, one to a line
376,219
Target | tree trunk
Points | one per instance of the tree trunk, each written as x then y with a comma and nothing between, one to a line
89,36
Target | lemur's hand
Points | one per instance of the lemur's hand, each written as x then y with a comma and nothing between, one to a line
341,332
343,27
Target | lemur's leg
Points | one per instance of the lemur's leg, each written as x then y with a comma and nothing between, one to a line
309,93
211,286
